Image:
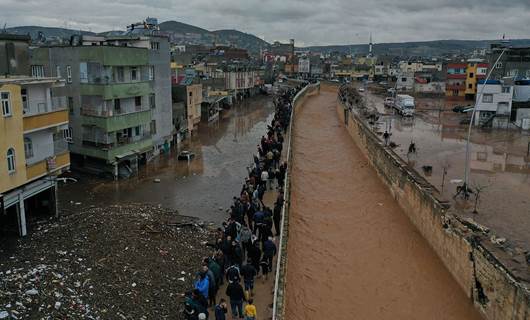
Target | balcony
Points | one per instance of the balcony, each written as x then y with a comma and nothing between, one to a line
455,87
110,152
116,90
47,166
456,76
100,112
115,56
119,121
42,114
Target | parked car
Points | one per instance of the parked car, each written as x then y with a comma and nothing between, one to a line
389,102
463,109
186,155
361,89
383,83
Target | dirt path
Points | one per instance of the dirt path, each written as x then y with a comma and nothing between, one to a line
353,253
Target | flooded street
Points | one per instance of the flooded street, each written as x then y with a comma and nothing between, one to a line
353,253
223,149
499,163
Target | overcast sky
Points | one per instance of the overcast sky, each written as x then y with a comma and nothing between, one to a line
310,22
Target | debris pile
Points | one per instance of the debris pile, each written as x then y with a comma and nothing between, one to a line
121,262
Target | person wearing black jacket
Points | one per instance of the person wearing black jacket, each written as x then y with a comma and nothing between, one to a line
236,294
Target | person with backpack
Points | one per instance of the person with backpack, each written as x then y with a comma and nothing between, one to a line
249,274
236,294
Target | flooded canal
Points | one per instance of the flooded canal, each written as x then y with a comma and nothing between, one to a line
223,149
499,163
353,253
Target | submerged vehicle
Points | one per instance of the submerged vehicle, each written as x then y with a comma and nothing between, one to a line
186,155
404,104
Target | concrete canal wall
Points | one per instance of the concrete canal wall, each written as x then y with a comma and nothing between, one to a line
465,251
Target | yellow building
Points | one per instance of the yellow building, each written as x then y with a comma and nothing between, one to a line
34,136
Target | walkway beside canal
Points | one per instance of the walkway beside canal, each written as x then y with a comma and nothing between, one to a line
352,252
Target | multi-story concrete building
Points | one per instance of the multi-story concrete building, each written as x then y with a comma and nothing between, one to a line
119,99
455,86
495,106
192,97
33,141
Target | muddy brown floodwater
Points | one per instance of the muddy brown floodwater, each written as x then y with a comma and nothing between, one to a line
223,150
353,253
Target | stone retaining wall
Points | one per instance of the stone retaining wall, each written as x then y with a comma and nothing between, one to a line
496,292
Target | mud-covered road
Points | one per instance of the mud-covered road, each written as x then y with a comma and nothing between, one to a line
353,253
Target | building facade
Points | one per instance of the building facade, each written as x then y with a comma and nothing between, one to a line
109,96
494,107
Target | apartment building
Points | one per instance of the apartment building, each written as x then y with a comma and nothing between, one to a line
495,105
119,99
34,135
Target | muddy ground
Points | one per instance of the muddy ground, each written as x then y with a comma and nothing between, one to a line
119,262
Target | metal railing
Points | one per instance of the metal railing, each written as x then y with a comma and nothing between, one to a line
34,107
281,262
100,112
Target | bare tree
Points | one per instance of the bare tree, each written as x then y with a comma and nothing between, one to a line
478,190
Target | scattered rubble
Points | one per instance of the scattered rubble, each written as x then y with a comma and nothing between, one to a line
128,261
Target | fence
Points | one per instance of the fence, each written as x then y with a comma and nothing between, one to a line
278,308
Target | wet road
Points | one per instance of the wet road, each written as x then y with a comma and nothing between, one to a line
223,150
353,253
499,163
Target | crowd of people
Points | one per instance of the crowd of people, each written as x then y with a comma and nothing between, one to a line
244,247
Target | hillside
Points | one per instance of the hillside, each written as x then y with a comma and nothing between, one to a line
175,26
421,48
242,40
48,32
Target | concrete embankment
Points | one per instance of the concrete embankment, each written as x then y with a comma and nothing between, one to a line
478,266
352,251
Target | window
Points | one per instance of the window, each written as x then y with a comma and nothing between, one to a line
58,71
28,148
134,73
153,126
67,134
83,72
37,71
403,79
137,131
71,105
487,98
6,104
69,74
120,74
11,165
499,65
470,86
138,101
471,75
117,105
506,89
151,72
155,45
24,95
152,101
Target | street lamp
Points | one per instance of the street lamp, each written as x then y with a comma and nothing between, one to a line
465,187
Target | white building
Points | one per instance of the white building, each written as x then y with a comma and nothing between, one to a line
304,65
495,104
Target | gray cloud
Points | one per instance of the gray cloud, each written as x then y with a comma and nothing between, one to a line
310,22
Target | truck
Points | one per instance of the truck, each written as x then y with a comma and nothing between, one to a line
404,104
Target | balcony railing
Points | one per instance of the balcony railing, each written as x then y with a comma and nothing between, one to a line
60,146
100,112
33,107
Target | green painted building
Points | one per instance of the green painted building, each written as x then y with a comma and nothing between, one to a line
110,99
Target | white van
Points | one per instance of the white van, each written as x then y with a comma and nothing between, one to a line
404,104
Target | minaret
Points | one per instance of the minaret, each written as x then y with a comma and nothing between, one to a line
370,46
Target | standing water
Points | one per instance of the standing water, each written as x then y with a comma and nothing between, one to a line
223,149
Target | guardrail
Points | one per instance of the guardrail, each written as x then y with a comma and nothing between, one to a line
278,308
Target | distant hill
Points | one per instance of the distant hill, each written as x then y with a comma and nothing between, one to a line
182,33
187,34
48,32
421,48
242,40
175,26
